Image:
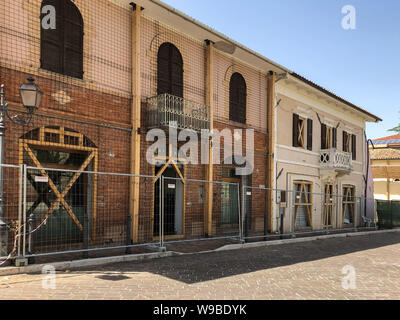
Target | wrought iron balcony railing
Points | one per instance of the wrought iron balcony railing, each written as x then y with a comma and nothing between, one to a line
336,160
167,110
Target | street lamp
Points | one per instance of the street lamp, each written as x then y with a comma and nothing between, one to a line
31,96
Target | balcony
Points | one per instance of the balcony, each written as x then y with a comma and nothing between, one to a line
334,160
166,110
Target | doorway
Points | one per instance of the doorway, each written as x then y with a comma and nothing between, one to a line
173,190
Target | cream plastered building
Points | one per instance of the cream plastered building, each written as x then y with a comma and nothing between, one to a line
320,157
385,163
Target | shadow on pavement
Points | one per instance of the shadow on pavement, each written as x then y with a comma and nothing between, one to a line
197,268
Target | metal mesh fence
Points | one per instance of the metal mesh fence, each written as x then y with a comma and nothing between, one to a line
388,214
52,211
300,212
10,209
187,218
77,210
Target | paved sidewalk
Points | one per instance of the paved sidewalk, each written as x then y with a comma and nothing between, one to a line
309,270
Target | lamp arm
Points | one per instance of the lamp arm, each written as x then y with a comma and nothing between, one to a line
17,119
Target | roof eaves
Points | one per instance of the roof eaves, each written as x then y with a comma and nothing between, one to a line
332,95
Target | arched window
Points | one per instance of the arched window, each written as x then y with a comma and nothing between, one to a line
61,48
237,98
170,70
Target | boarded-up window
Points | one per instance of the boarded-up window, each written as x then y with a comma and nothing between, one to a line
328,137
303,204
349,203
61,48
346,142
237,98
299,132
170,70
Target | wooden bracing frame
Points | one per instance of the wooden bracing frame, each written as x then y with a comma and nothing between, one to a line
349,201
170,161
173,161
328,204
26,144
301,132
307,200
328,138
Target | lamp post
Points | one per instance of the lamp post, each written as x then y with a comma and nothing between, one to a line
31,96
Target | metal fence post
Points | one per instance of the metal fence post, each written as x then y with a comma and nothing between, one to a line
31,245
128,233
85,254
242,212
20,197
161,218
23,229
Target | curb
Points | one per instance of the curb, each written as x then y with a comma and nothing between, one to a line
68,265
300,240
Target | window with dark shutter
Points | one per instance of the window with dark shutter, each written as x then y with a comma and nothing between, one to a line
354,146
237,98
170,70
323,137
309,134
344,141
299,131
334,138
61,49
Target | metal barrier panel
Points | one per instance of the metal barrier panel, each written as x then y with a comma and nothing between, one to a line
186,218
384,212
10,211
388,214
81,211
255,212
300,212
395,214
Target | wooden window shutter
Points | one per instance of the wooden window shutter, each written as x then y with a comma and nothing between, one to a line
61,50
73,41
334,138
344,140
309,134
169,70
295,132
237,98
354,146
51,41
323,136
163,74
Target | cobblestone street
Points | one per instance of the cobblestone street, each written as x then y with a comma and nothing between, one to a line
310,270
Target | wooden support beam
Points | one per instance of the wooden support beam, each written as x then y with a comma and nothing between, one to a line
270,146
135,121
387,183
208,223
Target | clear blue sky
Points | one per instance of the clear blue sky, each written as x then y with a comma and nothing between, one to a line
306,36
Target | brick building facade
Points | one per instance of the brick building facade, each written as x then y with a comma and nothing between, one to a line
100,70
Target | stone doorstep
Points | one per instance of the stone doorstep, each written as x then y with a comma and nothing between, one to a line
69,265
